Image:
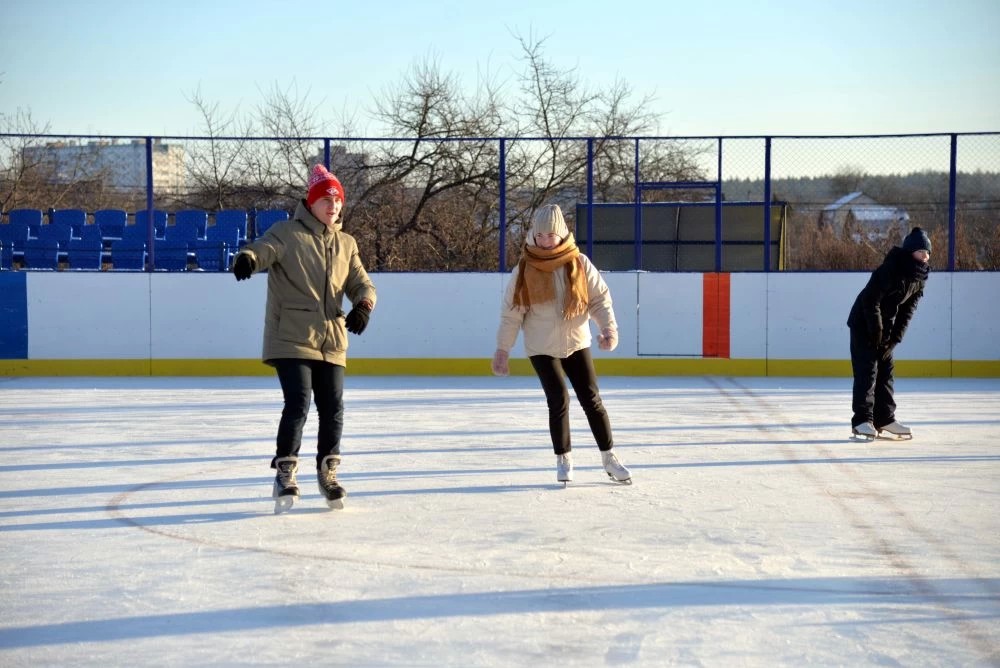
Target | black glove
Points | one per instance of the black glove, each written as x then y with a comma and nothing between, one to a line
875,339
243,267
357,319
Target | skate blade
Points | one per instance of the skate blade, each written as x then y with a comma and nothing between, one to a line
861,438
335,504
627,481
886,436
283,504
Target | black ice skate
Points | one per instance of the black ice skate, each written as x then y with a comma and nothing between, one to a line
326,476
286,488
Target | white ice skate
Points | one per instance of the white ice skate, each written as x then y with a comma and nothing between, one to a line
564,468
864,432
895,431
326,476
286,487
615,469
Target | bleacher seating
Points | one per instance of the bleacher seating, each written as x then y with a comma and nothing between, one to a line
192,216
12,236
170,254
212,255
74,218
85,253
232,218
111,222
138,233
41,254
32,218
266,218
159,221
66,240
128,254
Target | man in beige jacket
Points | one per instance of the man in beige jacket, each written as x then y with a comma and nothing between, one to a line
553,293
312,265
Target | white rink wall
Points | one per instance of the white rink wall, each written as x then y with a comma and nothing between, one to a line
778,322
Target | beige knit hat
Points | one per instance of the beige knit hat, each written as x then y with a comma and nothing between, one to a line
548,219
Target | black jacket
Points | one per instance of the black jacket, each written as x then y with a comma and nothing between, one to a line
889,299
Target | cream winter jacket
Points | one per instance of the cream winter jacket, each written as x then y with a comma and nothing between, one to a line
546,332
310,268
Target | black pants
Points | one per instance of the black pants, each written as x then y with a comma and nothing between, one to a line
325,383
579,368
872,397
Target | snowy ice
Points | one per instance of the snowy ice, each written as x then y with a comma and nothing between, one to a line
137,529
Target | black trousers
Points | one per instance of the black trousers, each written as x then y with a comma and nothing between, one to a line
579,368
872,399
302,381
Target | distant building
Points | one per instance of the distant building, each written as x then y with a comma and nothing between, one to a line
863,217
122,166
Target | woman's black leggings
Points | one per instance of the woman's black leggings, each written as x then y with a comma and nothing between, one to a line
579,368
302,380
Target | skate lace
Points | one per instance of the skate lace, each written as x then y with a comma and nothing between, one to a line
286,475
328,475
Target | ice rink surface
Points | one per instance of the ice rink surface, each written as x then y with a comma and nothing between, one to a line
137,529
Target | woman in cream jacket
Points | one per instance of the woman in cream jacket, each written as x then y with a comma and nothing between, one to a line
553,293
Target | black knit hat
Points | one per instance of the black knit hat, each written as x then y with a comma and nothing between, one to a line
916,240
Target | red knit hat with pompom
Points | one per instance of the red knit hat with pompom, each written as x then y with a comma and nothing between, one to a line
323,184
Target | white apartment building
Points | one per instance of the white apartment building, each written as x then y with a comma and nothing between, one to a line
121,165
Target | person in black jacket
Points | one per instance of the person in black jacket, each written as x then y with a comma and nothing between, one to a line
878,320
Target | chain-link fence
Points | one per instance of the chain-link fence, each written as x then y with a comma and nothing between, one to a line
463,204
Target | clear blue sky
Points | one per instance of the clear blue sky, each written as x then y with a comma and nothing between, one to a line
725,67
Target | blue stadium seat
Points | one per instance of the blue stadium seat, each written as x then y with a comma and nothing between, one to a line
266,218
85,253
170,254
128,254
12,236
74,218
30,217
196,216
41,254
212,255
111,222
159,221
185,230
6,254
90,233
137,233
224,236
232,218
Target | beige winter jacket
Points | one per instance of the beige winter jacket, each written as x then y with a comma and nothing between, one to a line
311,267
545,330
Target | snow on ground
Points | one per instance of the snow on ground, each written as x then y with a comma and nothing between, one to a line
137,529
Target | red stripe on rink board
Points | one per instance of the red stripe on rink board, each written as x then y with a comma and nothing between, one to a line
715,316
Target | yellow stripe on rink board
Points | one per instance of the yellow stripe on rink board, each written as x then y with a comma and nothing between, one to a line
649,366
975,369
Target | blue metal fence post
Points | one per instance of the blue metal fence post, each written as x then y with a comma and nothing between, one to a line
326,153
503,206
718,211
151,220
767,204
637,232
952,201
590,198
